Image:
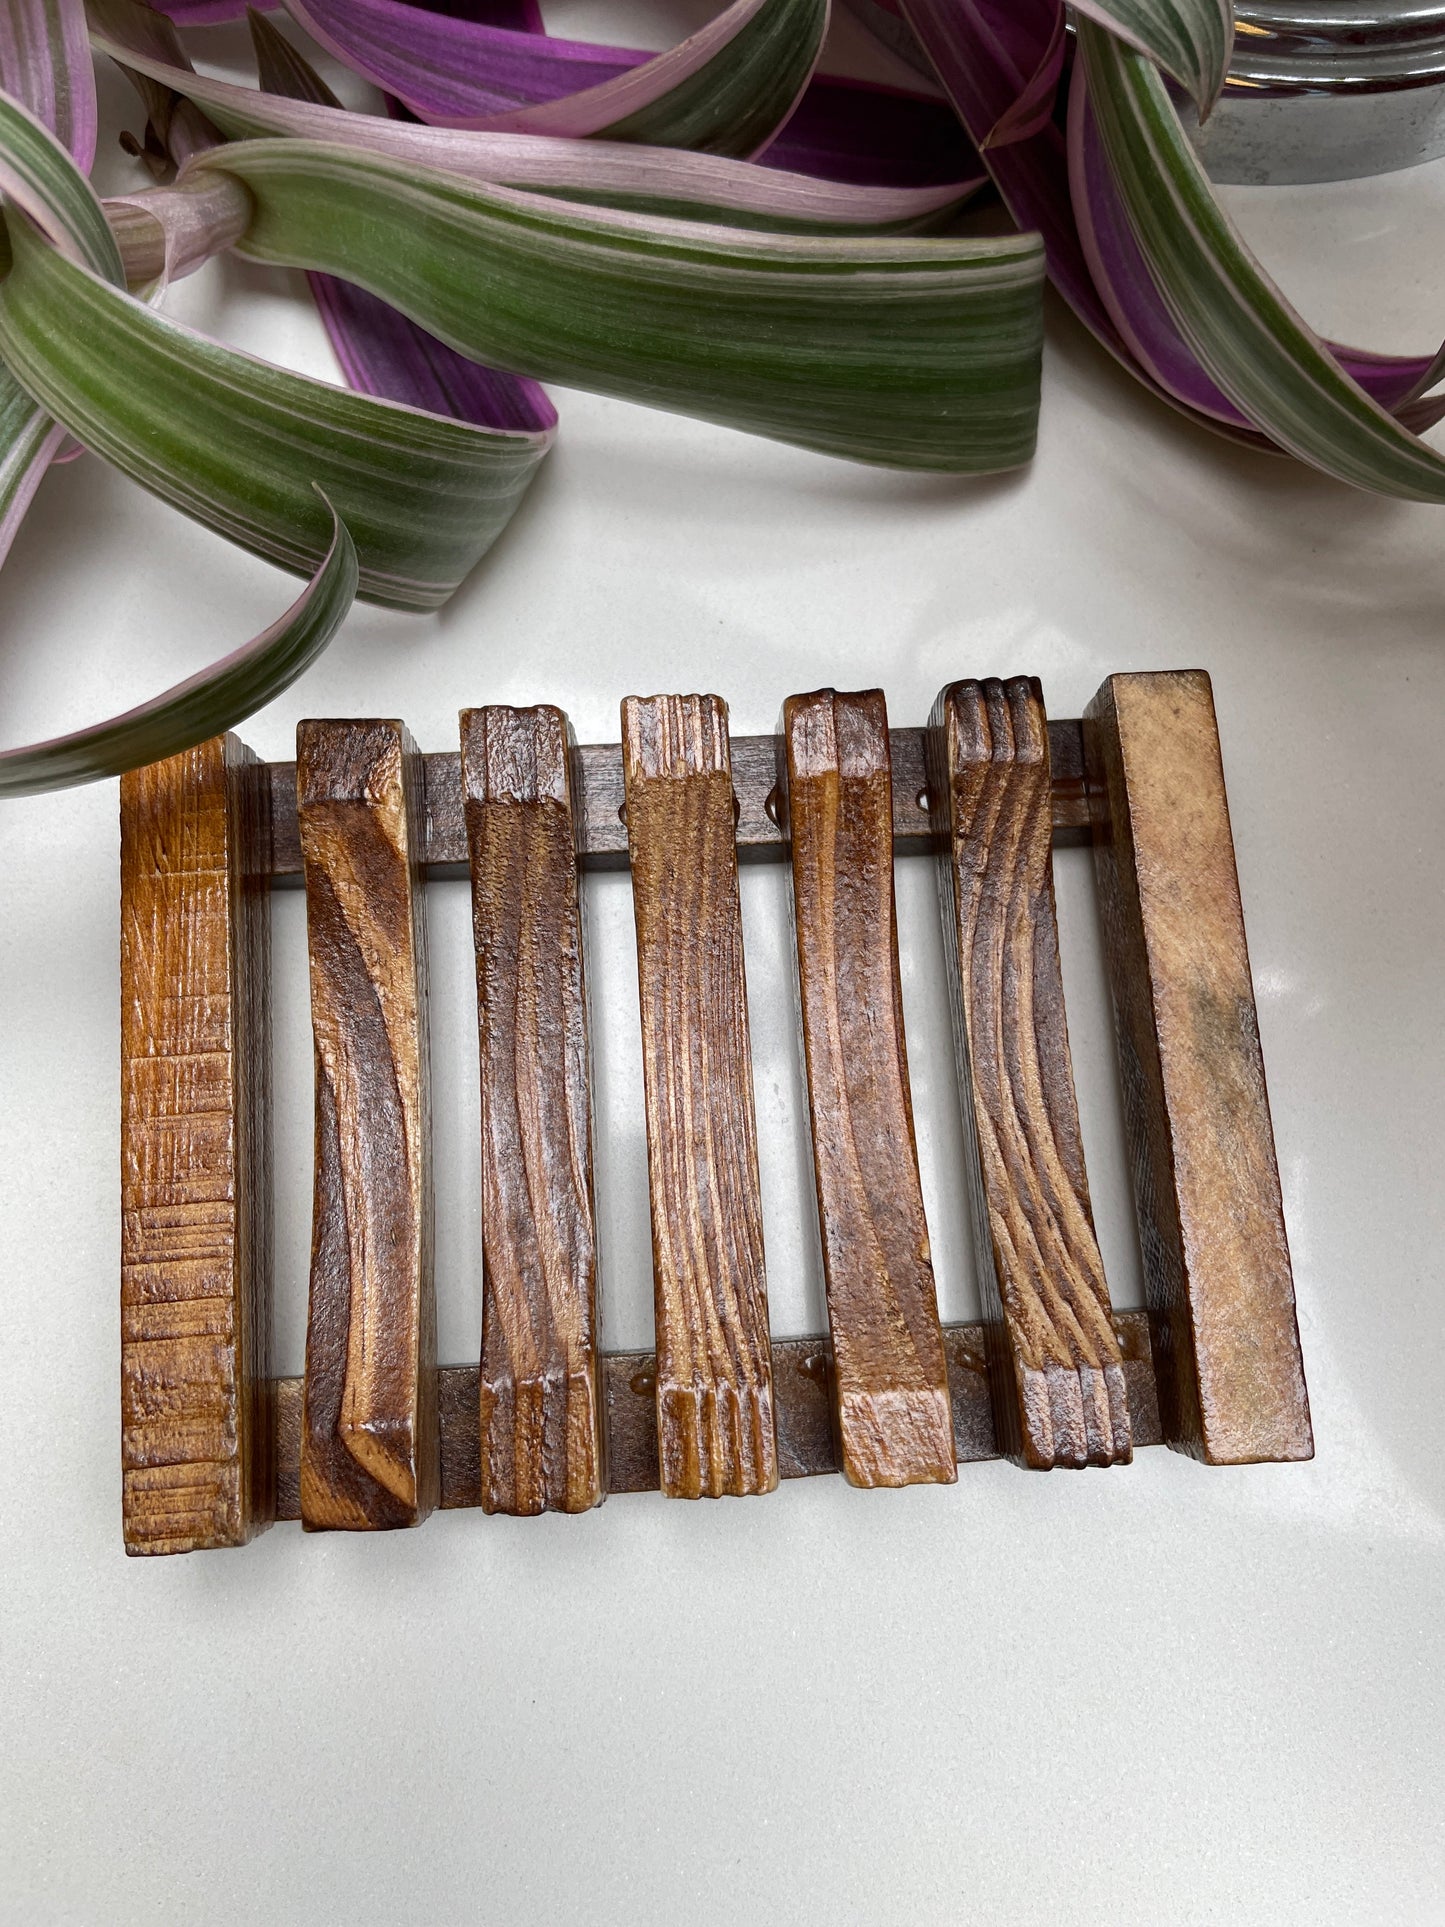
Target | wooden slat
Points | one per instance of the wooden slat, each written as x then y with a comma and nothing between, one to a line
890,1379
540,1439
1058,1380
195,1151
369,1442
714,1370
806,1444
1216,1259
598,796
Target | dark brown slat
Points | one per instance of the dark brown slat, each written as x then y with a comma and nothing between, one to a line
1058,1380
890,1379
714,1372
369,1447
1206,1185
598,796
806,1447
195,1151
541,1406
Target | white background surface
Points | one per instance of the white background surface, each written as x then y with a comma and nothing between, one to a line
1163,1694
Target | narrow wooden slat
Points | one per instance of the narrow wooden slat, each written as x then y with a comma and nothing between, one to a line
540,1440
890,1379
806,1444
1057,1377
1216,1259
369,1450
195,1151
714,1385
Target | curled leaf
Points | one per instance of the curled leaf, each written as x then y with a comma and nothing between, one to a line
1192,40
920,353
204,704
727,89
381,352
1249,340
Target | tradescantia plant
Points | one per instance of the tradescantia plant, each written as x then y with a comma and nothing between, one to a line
716,230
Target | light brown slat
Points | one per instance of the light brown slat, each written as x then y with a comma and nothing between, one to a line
540,1439
369,1452
195,1151
1057,1377
890,1379
1216,1258
714,1365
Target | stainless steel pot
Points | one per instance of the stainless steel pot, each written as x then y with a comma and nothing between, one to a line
1329,91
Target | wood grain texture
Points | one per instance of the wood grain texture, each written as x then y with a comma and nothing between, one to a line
714,1385
807,1447
598,795
540,1439
195,1151
889,1375
1057,1376
1211,1222
369,1454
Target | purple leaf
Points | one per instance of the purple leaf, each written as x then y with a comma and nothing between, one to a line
454,68
989,55
874,136
1127,288
45,64
382,353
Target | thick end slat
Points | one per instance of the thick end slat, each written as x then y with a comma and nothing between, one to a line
714,1361
369,1449
540,1400
1055,1370
890,1378
1216,1258
195,1150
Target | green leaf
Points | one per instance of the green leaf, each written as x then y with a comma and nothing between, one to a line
29,441
238,444
1252,343
1190,39
205,704
920,353
242,446
38,175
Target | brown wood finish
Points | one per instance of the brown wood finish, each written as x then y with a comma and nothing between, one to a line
1058,1379
195,1151
714,1387
1216,1258
369,1446
598,796
889,1375
807,1447
540,1439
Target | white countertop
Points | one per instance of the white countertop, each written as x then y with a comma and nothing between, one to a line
1163,1694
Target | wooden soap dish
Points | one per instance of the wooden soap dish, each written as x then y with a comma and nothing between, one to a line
375,1435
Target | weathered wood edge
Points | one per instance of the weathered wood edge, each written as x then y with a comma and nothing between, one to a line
1217,1270
598,791
801,1372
